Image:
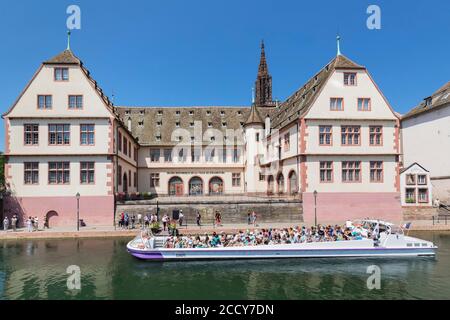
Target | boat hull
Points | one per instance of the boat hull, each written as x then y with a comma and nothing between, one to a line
245,253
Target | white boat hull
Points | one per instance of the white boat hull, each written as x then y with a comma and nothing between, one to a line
343,249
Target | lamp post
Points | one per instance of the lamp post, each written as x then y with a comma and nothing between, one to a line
78,211
315,208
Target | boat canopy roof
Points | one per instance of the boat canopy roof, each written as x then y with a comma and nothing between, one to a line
374,221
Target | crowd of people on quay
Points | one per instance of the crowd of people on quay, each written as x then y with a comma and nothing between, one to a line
31,223
273,237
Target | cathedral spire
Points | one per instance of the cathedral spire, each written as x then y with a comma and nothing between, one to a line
263,85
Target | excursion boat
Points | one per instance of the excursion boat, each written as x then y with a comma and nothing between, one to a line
391,242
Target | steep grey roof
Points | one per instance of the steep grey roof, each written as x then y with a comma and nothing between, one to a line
297,104
438,99
148,123
65,57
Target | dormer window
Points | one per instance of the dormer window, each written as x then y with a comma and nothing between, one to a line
428,102
177,124
142,112
224,124
208,113
191,113
158,138
191,124
177,112
61,74
209,124
239,112
160,112
222,113
213,138
350,79
159,123
141,123
127,112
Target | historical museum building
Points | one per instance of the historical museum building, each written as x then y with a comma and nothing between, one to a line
334,143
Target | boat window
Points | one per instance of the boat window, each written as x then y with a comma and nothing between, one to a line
409,244
417,244
424,245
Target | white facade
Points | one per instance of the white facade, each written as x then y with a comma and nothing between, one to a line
416,187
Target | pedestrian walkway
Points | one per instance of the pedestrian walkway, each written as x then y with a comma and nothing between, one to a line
110,231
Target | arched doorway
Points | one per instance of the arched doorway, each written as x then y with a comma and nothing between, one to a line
270,185
293,183
176,186
216,186
125,183
195,186
52,218
280,183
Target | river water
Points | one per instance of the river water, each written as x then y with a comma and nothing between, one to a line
37,270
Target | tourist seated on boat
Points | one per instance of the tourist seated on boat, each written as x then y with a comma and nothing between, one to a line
272,237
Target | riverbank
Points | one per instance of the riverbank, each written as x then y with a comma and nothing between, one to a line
111,232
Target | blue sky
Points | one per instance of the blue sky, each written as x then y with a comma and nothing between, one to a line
198,52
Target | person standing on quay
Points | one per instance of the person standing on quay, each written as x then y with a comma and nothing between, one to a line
254,218
199,217
14,223
36,224
30,224
180,218
165,219
6,224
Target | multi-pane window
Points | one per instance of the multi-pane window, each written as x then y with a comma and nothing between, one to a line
119,173
129,151
210,153
350,79
350,135
59,134
351,171
31,172
257,137
262,177
167,155
58,172
337,104
119,138
135,154
181,155
376,135
76,102
87,134
87,172
376,171
154,180
410,179
31,134
423,195
325,135
129,180
287,142
61,74
410,195
236,179
45,101
364,104
236,155
155,154
125,145
135,179
421,179
326,171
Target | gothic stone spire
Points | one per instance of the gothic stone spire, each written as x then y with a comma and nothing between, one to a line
263,83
